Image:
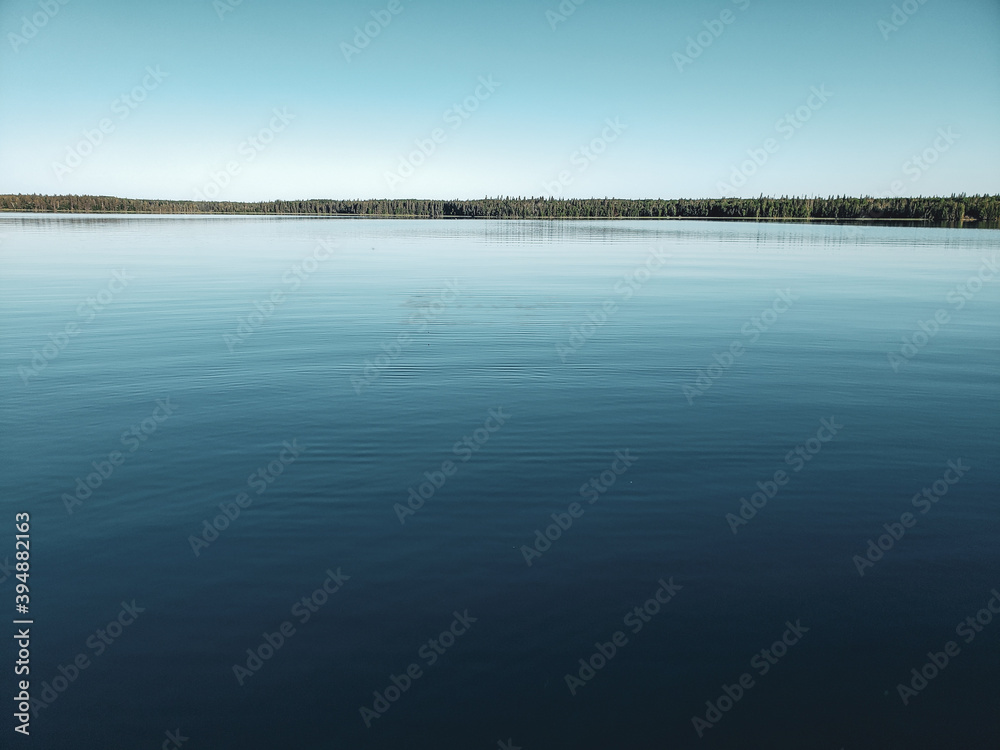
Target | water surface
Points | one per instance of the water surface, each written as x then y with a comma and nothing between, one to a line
392,343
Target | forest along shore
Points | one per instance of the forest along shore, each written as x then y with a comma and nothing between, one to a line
955,209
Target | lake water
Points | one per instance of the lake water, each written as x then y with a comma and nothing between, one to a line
596,399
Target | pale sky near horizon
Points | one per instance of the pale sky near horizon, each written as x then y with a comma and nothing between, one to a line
263,100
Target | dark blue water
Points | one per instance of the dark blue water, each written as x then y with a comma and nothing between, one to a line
636,379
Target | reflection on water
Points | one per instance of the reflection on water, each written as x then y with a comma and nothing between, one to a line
384,360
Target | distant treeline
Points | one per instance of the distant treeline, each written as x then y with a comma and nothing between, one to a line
956,208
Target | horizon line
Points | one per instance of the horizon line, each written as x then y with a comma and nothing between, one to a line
761,196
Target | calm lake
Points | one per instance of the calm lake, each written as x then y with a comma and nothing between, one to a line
314,483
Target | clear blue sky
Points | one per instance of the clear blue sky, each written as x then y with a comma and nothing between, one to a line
228,67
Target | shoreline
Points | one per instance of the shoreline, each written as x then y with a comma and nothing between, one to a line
957,210
966,223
